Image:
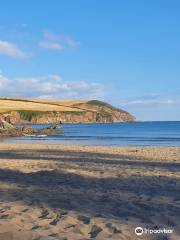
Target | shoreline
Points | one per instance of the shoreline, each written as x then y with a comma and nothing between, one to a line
46,142
87,192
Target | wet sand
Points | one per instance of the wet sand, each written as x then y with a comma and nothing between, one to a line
79,193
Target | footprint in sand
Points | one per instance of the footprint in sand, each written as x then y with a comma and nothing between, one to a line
25,210
56,220
53,235
64,213
44,214
2,210
35,227
112,229
4,216
95,230
70,226
84,219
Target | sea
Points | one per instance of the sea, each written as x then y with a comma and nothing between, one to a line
109,134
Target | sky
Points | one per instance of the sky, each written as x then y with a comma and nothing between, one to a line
124,52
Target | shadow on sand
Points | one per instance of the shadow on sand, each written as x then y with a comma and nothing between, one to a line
118,197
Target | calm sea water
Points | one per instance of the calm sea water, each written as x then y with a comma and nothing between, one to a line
116,134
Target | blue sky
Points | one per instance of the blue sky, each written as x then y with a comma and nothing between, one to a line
123,52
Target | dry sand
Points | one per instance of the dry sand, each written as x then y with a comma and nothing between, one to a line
79,193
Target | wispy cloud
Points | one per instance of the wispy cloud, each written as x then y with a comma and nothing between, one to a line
57,41
11,50
149,100
51,86
51,45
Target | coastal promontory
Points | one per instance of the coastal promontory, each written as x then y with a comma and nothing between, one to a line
43,111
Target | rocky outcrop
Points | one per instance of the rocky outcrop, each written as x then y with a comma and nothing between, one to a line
6,125
12,117
10,130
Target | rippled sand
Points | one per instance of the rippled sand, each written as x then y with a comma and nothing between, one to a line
79,193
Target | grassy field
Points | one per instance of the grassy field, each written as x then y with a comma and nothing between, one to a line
10,104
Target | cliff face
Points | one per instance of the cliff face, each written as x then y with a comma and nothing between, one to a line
88,112
106,112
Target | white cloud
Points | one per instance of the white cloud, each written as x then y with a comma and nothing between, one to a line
11,50
3,81
51,86
57,41
145,102
51,45
148,100
69,41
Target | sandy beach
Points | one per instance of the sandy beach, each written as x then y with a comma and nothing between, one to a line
50,192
